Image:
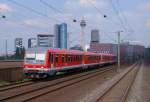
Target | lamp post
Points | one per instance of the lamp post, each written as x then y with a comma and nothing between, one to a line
6,51
119,50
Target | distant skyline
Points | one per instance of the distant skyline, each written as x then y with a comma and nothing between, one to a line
27,18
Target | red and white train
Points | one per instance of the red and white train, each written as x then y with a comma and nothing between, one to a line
41,62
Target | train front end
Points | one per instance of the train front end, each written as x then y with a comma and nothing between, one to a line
35,65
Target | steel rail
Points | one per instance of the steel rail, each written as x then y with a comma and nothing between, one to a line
87,75
114,84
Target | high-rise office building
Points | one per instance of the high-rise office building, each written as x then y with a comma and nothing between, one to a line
32,42
95,36
18,43
61,36
45,40
56,35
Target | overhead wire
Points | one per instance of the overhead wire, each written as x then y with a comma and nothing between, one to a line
123,16
102,14
50,6
118,15
31,9
38,12
55,9
131,30
98,10
58,11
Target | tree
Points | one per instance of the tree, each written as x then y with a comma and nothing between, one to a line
20,52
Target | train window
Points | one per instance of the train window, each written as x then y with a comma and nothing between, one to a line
74,58
87,57
81,58
77,58
69,58
51,58
56,58
63,58
66,58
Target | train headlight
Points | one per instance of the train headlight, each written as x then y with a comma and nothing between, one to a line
42,67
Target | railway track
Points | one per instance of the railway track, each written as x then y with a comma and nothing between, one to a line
3,61
32,81
111,94
15,85
30,92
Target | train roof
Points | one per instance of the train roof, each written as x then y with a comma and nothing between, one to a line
92,53
66,51
63,51
37,49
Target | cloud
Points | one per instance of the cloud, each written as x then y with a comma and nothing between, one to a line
38,23
4,8
147,23
87,2
81,6
140,21
144,8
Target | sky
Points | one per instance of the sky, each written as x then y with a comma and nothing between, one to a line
27,18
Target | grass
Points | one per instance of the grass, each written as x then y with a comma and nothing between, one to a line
23,80
5,83
60,73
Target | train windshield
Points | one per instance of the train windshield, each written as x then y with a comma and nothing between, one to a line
35,58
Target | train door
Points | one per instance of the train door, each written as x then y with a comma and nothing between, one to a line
51,57
63,60
60,60
57,62
101,58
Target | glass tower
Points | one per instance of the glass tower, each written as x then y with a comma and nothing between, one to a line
63,36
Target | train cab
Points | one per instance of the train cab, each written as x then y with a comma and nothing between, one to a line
35,62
